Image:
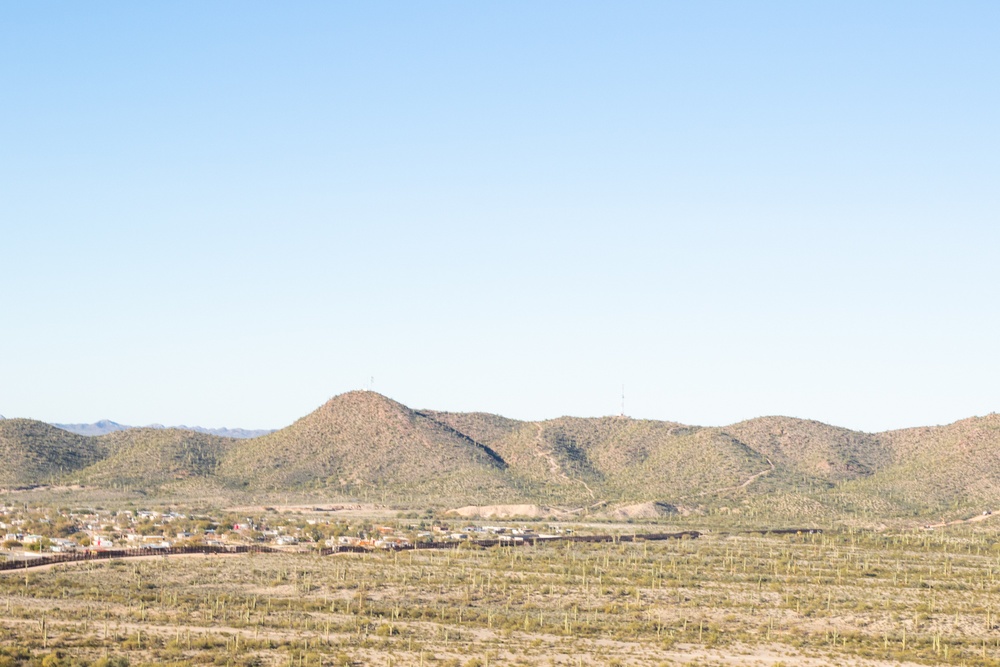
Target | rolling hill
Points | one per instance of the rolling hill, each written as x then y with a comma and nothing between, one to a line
150,458
33,452
952,466
813,449
364,443
366,446
582,460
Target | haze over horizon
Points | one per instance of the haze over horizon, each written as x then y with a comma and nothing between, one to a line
224,215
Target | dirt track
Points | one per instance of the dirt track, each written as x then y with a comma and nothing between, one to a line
956,522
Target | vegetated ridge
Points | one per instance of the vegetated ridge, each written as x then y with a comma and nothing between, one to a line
32,452
362,442
364,445
147,458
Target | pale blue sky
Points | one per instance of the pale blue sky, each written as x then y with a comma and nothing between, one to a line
225,213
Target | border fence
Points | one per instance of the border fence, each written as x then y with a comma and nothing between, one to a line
107,554
512,542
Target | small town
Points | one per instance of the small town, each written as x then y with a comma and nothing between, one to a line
29,533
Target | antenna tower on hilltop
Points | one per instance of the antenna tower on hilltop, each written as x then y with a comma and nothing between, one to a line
623,401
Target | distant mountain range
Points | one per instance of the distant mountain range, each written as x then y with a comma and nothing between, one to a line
105,426
365,446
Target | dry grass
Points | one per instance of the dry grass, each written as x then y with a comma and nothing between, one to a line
844,598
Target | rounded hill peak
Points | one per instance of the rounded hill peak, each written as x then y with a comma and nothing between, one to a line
362,440
812,447
362,397
360,404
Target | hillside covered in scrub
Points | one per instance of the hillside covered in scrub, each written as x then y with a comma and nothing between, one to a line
364,445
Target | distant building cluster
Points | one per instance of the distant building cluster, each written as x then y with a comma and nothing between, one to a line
29,533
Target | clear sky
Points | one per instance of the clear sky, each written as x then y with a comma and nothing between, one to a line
225,213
